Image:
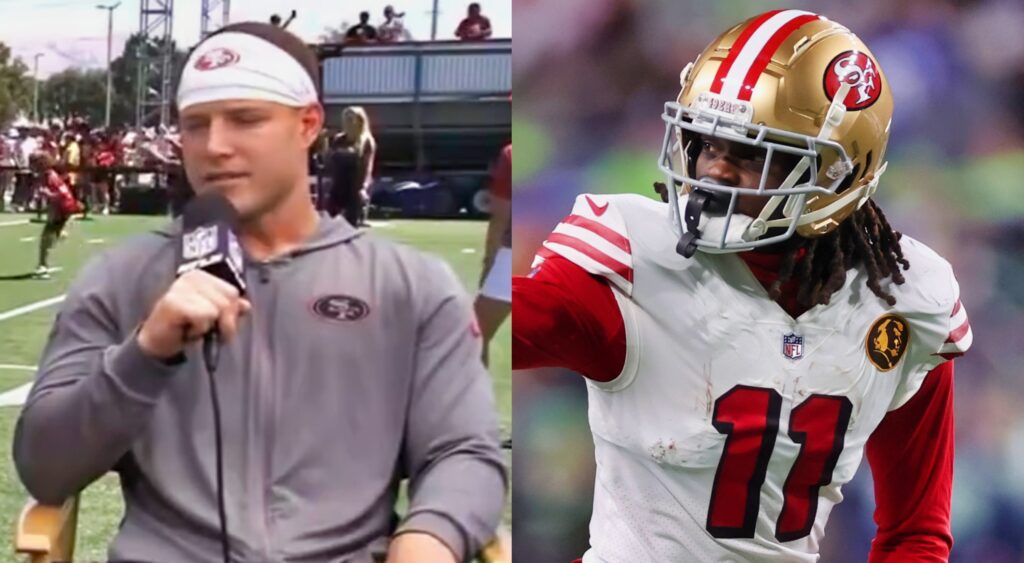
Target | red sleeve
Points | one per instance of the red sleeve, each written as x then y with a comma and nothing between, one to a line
53,180
911,457
562,316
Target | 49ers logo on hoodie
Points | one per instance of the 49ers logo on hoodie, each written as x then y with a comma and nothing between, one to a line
341,308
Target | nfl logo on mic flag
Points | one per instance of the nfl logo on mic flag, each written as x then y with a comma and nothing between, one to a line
793,346
197,244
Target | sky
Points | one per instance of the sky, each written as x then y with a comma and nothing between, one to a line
73,33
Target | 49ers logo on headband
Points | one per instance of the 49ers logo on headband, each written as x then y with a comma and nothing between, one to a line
860,72
216,58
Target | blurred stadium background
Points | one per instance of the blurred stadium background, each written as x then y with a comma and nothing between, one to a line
441,113
590,79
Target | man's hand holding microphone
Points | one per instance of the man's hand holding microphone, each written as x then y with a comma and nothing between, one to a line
196,303
207,298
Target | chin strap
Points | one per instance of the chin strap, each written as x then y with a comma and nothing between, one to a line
696,201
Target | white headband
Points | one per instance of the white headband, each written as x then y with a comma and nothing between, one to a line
240,66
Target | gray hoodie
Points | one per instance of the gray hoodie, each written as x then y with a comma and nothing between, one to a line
358,366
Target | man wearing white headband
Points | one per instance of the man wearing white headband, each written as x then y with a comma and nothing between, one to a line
249,111
350,363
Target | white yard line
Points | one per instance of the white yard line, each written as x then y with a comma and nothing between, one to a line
30,307
13,223
15,397
18,367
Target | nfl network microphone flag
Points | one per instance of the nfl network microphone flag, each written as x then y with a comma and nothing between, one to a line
208,243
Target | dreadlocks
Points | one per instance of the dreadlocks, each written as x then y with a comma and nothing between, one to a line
864,238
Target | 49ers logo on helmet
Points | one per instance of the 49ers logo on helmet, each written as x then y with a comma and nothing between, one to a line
216,58
860,72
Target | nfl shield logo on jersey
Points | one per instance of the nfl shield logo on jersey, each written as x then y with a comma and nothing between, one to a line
793,346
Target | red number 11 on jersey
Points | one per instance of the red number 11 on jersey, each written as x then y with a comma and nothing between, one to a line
749,416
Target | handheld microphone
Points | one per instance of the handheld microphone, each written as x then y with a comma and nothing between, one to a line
209,244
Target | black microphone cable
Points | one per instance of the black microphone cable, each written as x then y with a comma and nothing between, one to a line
211,355
207,245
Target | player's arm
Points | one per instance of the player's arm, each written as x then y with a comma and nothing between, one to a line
369,156
567,313
497,226
563,316
501,209
911,458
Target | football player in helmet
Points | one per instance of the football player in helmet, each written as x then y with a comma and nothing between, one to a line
749,339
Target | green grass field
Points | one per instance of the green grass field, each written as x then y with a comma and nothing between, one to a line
22,338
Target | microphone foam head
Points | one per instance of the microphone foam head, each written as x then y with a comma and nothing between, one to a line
208,208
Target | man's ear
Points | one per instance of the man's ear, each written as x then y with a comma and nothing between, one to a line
311,121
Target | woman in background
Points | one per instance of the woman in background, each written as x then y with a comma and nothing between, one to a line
351,167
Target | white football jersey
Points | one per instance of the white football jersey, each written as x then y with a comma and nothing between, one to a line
732,427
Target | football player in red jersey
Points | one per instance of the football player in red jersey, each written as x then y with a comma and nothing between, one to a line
61,205
747,340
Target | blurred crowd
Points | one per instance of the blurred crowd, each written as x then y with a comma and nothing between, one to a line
474,27
93,161
591,78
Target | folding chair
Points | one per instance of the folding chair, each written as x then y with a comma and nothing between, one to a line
46,534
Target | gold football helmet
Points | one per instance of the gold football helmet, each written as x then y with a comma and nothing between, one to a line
788,82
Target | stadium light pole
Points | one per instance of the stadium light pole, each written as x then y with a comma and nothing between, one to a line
433,22
110,34
35,90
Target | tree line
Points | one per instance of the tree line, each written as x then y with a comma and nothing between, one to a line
81,92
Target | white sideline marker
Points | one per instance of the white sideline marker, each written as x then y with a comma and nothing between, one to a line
31,306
